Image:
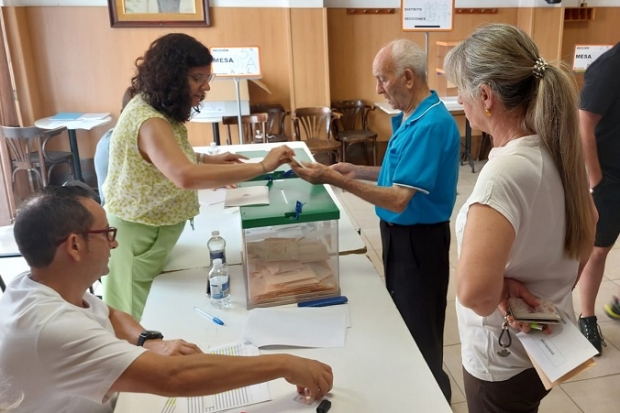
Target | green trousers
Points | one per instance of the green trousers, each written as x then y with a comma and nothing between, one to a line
140,257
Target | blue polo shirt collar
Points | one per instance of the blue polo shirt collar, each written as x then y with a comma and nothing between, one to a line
419,111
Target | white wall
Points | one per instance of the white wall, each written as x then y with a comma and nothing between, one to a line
328,3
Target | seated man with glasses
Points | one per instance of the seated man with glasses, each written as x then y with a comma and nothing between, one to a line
67,351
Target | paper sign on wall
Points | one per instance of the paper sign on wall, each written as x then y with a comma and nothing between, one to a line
427,15
586,54
236,62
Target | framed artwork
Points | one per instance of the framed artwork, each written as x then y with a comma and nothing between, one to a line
162,13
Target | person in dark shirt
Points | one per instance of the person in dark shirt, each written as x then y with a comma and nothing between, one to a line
599,118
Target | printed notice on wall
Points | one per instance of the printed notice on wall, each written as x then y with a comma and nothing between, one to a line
586,54
427,15
236,62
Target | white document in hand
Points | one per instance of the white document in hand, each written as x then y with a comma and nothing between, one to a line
249,195
559,352
300,327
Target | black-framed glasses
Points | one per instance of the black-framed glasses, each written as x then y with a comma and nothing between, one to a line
110,233
201,78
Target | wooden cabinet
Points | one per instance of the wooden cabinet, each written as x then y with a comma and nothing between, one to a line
576,14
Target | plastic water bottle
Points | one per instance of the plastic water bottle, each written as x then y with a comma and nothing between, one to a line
219,283
258,138
213,149
217,248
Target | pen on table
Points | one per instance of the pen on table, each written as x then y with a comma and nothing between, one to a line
207,315
284,196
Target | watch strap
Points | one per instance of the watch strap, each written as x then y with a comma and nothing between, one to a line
149,335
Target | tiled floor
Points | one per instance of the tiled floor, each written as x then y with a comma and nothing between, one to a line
593,391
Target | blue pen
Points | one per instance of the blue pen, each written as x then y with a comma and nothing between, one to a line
207,315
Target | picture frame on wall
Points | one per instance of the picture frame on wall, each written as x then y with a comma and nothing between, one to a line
159,13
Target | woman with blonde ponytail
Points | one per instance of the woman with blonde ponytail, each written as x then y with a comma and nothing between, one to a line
528,227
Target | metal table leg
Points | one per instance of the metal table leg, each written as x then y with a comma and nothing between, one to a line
467,152
216,133
76,154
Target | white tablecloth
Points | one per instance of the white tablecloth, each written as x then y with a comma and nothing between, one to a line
380,369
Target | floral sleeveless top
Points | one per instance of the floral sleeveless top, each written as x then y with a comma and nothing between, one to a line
135,190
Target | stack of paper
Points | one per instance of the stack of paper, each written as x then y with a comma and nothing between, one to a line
231,399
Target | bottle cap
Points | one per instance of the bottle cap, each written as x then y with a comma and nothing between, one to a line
215,233
217,262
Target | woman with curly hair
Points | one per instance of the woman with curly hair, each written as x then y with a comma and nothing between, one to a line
150,190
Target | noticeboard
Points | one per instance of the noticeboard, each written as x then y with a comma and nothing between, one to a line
586,54
427,15
236,62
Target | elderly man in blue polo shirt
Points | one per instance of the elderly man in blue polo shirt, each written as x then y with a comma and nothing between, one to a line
414,196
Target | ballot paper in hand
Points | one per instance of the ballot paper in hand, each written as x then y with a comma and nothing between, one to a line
299,327
249,195
559,355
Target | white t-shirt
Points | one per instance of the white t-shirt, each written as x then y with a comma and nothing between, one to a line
521,182
63,358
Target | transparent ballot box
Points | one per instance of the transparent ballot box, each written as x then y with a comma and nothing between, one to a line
290,247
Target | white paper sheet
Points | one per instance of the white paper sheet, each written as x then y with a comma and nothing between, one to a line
250,195
559,352
231,399
299,327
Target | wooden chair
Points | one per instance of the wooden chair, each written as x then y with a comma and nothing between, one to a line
275,123
251,124
316,126
352,128
27,148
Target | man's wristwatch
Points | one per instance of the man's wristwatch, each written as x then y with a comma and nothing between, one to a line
149,335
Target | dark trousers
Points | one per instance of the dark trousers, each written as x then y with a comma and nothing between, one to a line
417,270
519,394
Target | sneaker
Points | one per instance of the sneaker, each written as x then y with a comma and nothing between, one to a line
612,309
590,329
